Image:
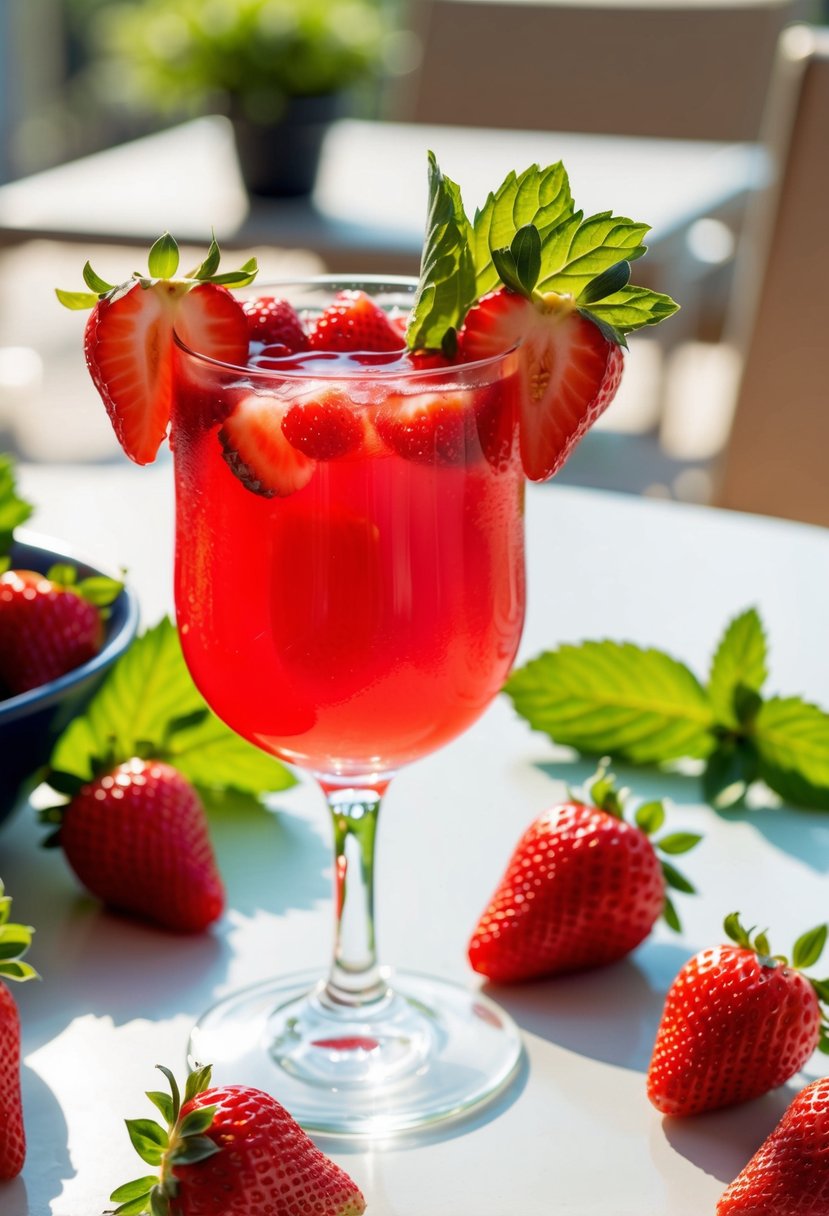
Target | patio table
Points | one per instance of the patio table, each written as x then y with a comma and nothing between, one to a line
575,1134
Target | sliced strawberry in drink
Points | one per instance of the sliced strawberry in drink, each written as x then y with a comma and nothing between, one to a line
257,451
427,427
274,321
325,426
355,322
569,370
129,342
129,352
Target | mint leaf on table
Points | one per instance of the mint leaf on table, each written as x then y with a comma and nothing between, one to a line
739,663
149,706
640,705
14,510
540,197
446,289
644,706
792,740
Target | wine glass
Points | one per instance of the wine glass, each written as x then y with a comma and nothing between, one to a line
377,614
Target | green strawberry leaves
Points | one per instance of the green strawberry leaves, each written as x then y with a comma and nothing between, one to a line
15,940
149,707
646,707
181,1142
528,236
14,510
162,263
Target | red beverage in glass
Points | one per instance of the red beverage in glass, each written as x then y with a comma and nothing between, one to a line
367,618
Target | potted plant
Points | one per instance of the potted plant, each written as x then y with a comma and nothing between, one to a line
281,70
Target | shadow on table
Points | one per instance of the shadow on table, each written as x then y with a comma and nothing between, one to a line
609,1014
722,1141
48,1166
645,783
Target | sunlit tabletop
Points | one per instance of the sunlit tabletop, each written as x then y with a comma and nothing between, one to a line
116,998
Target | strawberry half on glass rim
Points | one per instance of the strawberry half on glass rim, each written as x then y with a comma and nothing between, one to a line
129,343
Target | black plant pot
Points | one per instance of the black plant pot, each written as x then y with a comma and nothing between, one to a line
279,160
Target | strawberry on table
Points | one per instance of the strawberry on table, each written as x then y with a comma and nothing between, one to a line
14,942
789,1173
583,888
50,623
231,1151
133,825
354,322
129,342
738,1022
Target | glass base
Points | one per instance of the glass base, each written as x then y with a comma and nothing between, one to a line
427,1051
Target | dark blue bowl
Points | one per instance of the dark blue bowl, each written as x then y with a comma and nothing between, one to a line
31,722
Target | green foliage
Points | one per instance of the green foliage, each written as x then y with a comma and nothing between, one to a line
528,237
14,510
248,54
14,942
644,706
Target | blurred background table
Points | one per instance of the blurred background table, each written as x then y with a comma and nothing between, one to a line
117,998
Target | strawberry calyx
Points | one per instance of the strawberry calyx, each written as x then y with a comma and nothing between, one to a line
162,265
14,942
181,1142
649,818
805,953
97,589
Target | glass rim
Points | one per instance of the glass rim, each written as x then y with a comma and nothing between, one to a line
301,373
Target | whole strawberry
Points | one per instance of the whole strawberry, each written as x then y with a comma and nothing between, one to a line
137,838
789,1173
49,624
738,1021
583,888
231,1141
14,942
355,322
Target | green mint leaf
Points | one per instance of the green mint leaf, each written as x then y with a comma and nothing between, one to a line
606,284
14,510
615,698
575,251
540,197
94,281
808,948
148,689
729,772
631,308
739,662
446,289
139,1189
76,300
792,740
163,257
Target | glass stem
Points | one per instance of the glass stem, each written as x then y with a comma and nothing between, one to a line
354,979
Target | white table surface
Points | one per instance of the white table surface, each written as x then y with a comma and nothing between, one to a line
117,998
370,202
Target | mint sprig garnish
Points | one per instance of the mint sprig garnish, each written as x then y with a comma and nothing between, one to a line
14,510
647,707
558,250
148,706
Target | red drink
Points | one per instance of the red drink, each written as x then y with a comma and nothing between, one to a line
370,616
